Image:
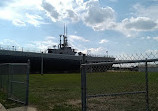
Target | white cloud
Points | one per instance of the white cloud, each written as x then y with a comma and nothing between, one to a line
18,22
17,11
11,44
79,2
25,4
72,15
99,18
142,38
32,46
151,54
148,37
150,11
62,10
74,37
97,50
139,24
103,41
149,51
103,18
90,12
35,20
7,14
155,38
50,38
145,19
48,42
100,51
51,11
131,27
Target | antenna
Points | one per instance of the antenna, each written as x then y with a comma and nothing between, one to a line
65,36
65,29
60,41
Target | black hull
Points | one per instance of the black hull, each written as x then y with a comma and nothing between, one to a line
52,63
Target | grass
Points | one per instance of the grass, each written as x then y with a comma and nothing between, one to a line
117,82
55,92
62,92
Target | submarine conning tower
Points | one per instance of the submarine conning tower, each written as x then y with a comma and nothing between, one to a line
63,48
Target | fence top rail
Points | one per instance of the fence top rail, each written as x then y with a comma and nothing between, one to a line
13,64
119,62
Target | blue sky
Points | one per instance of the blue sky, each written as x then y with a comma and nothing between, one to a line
96,26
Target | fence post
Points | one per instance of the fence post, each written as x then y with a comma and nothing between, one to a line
8,86
83,84
27,82
42,63
146,78
0,79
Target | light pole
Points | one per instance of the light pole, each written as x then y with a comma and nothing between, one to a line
107,53
13,48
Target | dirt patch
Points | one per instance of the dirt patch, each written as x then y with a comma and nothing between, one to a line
73,102
121,103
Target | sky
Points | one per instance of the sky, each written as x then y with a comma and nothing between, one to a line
96,27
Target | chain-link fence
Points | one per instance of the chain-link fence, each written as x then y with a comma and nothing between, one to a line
14,81
127,84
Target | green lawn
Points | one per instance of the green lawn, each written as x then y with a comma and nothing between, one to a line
117,82
62,92
55,91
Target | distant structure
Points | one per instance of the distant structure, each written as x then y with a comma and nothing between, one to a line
151,68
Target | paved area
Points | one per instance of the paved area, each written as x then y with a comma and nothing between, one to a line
25,108
2,108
